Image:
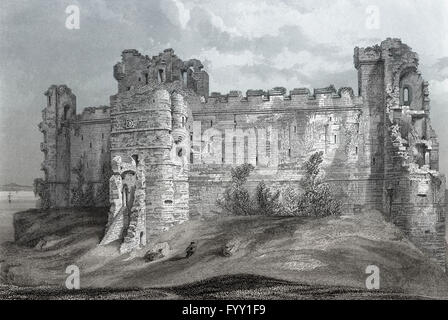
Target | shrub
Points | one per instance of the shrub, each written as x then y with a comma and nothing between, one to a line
290,201
236,199
317,199
267,201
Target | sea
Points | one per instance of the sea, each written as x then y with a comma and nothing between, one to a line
20,201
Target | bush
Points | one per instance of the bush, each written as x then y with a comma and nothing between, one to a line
267,201
317,199
236,199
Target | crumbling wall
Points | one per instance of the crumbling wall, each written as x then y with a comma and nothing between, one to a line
136,71
413,189
127,216
55,126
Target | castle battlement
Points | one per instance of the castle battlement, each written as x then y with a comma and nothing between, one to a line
171,144
299,98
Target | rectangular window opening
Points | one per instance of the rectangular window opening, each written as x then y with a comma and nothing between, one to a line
160,76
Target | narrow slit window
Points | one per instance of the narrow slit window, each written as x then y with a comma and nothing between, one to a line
135,157
184,77
160,76
234,150
406,96
246,149
335,139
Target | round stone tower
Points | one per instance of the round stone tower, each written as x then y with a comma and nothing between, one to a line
159,173
180,155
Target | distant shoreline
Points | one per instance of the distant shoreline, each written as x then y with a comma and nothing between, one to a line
15,187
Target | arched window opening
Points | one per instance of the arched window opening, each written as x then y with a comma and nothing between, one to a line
66,112
125,195
135,157
407,96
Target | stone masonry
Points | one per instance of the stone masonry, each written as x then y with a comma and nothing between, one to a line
171,144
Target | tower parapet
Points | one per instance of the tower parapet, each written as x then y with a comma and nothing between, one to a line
135,71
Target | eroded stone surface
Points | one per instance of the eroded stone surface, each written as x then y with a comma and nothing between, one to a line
379,148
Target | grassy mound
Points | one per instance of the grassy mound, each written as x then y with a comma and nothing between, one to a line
290,258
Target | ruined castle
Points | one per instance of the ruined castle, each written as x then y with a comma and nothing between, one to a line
169,145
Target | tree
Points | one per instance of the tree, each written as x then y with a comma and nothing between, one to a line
267,201
317,199
236,199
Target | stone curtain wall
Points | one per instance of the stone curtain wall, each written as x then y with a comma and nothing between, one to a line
90,136
379,150
230,130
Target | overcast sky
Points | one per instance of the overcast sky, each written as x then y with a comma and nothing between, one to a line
244,45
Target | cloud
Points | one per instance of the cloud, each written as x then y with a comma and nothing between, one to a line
243,44
176,12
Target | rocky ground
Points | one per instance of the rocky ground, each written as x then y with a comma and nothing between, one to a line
267,258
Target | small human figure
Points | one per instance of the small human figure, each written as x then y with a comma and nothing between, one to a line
9,197
191,249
